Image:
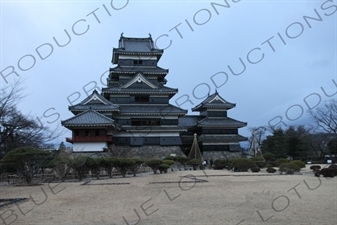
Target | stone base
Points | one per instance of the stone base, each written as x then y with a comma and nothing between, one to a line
144,152
214,155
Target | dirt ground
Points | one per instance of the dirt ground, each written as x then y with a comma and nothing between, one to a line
178,198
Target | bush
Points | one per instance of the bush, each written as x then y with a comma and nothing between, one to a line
329,172
182,160
174,158
136,166
242,164
299,163
124,165
315,167
26,161
194,163
281,161
269,166
109,163
163,168
154,164
257,159
289,168
168,162
269,157
255,169
333,166
271,170
95,165
221,164
261,164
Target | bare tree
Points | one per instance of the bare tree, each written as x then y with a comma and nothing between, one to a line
17,129
260,134
326,117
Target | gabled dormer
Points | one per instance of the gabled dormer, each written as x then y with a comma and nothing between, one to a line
139,81
96,101
214,103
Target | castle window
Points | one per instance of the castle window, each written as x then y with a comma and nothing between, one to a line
145,122
135,62
142,98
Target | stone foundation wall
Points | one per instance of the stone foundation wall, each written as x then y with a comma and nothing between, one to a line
159,152
214,155
144,152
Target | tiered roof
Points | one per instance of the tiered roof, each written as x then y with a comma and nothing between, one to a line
214,101
146,70
135,46
94,101
151,110
139,84
224,122
89,118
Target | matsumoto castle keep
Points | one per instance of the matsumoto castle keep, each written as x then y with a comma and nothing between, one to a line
132,117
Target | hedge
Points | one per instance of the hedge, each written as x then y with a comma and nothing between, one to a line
299,163
280,162
289,168
242,164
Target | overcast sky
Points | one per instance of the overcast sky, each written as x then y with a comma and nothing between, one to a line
289,58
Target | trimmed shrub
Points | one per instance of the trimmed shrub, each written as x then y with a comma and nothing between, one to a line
261,164
195,163
333,166
109,163
163,168
270,170
124,165
154,164
95,165
174,158
281,161
299,163
136,166
168,162
255,169
80,166
182,160
289,168
315,167
269,157
221,164
242,164
257,159
329,172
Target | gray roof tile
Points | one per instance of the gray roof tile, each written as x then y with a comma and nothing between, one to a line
98,103
137,45
136,69
160,90
89,118
151,109
221,122
218,103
